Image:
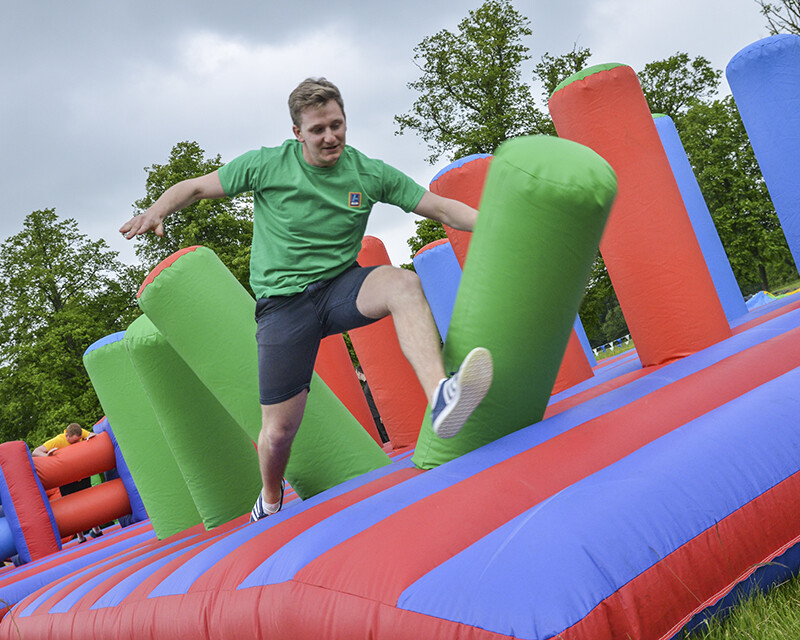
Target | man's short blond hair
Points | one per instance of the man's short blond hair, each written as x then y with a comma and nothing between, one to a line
74,429
314,93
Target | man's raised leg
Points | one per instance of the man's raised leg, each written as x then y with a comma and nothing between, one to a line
390,290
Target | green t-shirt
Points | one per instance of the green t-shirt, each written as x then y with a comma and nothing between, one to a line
309,221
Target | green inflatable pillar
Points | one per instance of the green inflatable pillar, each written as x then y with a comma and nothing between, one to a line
218,461
147,454
542,214
208,318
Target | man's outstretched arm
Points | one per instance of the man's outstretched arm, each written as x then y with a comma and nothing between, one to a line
177,197
446,210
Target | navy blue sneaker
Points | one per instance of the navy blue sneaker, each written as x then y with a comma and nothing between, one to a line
458,396
260,510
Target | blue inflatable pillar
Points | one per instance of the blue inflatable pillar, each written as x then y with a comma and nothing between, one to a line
138,511
765,81
440,274
717,260
584,339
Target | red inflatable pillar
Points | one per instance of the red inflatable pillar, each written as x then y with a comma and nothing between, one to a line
335,367
397,393
25,505
463,180
575,366
92,506
649,247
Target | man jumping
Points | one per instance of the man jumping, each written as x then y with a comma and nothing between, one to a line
312,198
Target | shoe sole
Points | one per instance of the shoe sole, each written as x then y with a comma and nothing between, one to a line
475,378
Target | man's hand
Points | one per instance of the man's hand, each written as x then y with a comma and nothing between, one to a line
52,451
147,221
177,197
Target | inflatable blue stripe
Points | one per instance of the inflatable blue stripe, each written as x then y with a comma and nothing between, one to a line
10,512
285,563
138,510
110,339
459,163
545,570
707,237
7,546
22,588
315,541
765,81
181,580
765,309
584,340
440,274
66,603
624,365
673,371
123,588
121,550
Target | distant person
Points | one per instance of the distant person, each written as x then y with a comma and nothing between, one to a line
72,434
312,198
376,416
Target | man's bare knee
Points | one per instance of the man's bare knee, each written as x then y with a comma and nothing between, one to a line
280,422
406,288
276,437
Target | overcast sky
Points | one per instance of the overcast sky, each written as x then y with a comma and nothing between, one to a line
94,91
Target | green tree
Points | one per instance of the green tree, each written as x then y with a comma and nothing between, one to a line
471,95
600,311
782,16
673,85
552,70
427,231
729,177
224,225
59,293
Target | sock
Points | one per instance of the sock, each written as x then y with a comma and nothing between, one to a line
271,507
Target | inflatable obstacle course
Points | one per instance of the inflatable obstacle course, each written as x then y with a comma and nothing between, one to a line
644,499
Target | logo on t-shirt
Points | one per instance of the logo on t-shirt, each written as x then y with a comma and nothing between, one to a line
355,199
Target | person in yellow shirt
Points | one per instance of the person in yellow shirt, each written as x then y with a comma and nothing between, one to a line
72,434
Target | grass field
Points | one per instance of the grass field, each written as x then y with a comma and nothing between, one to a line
774,615
608,353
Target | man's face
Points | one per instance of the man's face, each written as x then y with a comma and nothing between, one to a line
73,439
322,132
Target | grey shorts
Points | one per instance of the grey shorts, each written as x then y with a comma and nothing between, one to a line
290,329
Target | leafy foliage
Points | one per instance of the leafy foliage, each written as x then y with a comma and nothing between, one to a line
600,312
59,293
553,70
471,96
729,177
782,16
673,85
427,231
224,225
